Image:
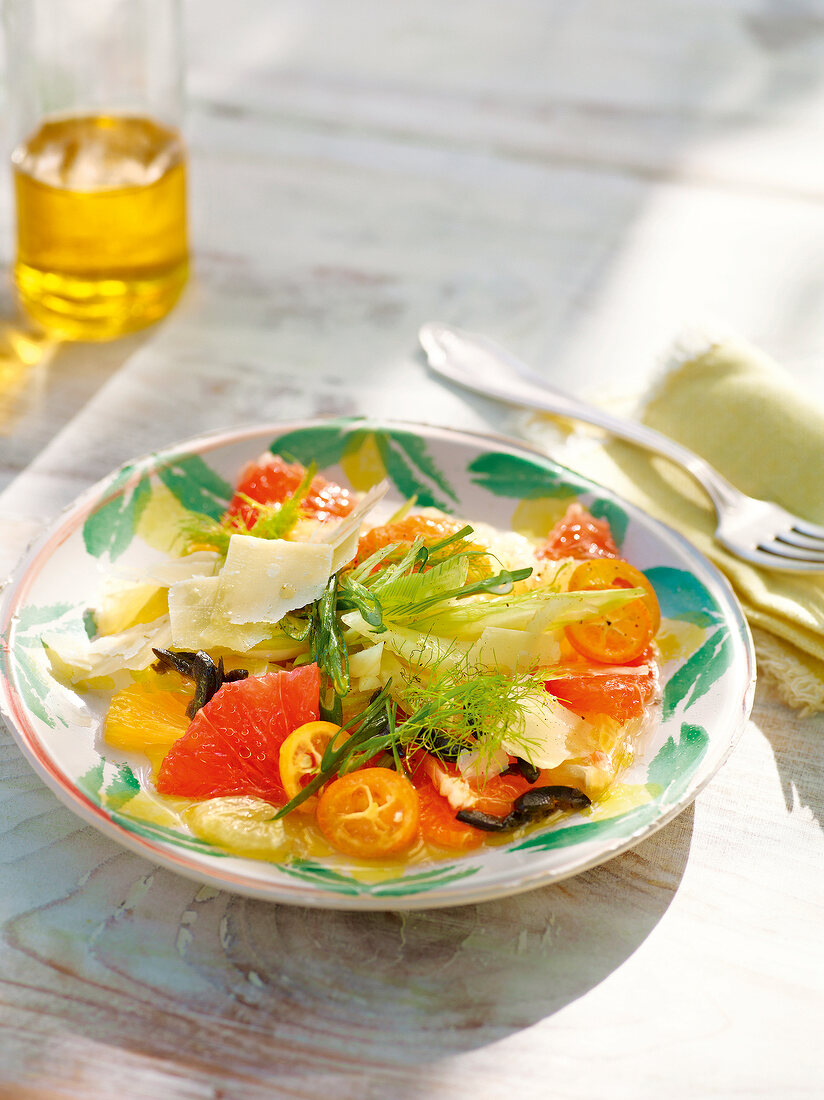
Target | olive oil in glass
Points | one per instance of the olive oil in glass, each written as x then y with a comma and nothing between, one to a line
101,224
99,163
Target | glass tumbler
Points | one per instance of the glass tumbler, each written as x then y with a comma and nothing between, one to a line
99,164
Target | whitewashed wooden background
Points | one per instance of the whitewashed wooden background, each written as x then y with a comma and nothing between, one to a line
580,180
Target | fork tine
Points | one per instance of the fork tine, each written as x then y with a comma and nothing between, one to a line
811,530
801,542
784,550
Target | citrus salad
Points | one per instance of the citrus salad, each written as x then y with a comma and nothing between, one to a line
315,674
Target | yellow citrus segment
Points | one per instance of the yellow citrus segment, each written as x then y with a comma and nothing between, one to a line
141,720
239,823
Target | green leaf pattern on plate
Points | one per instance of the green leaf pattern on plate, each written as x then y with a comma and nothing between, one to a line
418,456
35,687
682,596
401,470
123,788
507,475
26,657
619,826
324,444
675,763
111,527
91,781
329,879
405,457
698,673
196,485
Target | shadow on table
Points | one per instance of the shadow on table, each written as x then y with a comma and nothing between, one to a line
44,382
226,988
460,978
795,742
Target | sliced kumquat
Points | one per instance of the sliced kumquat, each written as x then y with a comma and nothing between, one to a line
369,813
615,573
300,757
614,638
623,634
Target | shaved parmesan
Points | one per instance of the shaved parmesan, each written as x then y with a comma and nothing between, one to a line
121,605
203,563
191,603
77,660
474,764
199,622
263,579
513,650
543,739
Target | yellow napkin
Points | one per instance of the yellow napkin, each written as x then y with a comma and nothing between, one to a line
734,406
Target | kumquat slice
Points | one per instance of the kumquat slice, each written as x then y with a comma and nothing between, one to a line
300,757
621,635
369,813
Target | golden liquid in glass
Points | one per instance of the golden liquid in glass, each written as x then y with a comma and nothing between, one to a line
101,224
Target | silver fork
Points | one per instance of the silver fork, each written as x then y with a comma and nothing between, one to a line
756,530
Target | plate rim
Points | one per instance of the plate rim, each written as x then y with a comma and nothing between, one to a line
70,518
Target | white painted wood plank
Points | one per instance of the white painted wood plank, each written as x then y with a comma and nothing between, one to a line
725,93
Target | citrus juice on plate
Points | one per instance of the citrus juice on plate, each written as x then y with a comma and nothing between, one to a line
101,223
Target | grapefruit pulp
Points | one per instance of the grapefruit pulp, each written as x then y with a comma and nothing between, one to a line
233,743
579,535
270,480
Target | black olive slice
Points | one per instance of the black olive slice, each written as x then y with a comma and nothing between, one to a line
488,822
542,801
167,659
527,770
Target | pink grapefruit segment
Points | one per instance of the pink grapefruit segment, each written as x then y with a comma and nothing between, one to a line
579,535
233,743
270,480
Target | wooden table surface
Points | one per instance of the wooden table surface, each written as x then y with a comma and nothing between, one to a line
580,181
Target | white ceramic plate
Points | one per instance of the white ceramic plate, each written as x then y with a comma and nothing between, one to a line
708,676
